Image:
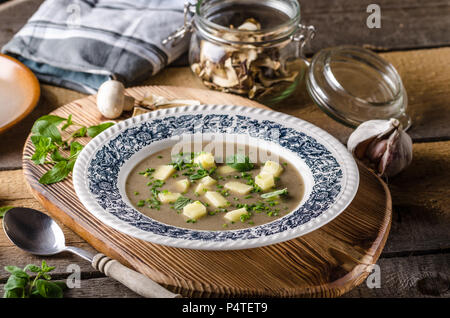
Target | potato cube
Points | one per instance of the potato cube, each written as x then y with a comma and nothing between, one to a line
182,185
208,181
272,167
201,189
265,181
205,184
238,187
205,160
163,172
235,215
194,210
168,197
216,199
225,170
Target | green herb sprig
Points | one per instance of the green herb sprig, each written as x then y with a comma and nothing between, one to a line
181,202
21,285
239,162
48,142
274,193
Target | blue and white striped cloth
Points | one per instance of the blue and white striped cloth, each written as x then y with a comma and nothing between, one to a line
79,44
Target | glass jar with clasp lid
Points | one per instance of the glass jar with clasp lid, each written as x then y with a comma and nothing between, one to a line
249,47
255,48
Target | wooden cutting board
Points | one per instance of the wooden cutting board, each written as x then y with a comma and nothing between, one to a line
325,263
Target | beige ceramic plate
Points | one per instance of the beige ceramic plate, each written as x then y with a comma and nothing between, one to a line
19,92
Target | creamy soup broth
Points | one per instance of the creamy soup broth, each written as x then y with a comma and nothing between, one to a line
141,181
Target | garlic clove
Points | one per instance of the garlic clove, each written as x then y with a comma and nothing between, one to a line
398,154
366,133
376,149
383,145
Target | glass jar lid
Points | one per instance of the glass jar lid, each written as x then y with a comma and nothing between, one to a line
353,85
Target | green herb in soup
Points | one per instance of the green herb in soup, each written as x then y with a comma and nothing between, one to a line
195,190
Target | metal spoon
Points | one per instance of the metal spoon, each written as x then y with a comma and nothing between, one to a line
37,233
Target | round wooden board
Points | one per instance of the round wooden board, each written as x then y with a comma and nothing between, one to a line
324,263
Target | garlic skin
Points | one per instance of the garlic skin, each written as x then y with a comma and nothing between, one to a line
383,145
111,99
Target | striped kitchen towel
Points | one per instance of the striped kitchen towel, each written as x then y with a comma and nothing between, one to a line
79,44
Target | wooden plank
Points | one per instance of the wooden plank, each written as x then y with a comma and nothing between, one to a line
14,14
102,287
12,255
413,276
404,277
421,195
405,24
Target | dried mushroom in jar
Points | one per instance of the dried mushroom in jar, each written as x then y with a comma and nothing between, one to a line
243,68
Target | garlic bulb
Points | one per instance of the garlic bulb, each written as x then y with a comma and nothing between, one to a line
383,145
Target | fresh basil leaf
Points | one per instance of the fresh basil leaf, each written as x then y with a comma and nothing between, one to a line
181,202
75,149
46,276
56,156
17,271
274,193
61,285
80,132
15,282
45,268
14,293
47,126
59,172
48,289
4,209
32,268
68,123
43,145
239,162
200,173
95,130
11,269
35,293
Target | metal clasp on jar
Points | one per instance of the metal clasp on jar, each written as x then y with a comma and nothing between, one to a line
303,35
189,11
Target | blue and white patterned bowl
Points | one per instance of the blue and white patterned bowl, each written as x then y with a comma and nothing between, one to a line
329,172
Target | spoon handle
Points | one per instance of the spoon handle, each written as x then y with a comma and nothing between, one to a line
135,281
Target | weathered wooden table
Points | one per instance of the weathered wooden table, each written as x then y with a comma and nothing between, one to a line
414,36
